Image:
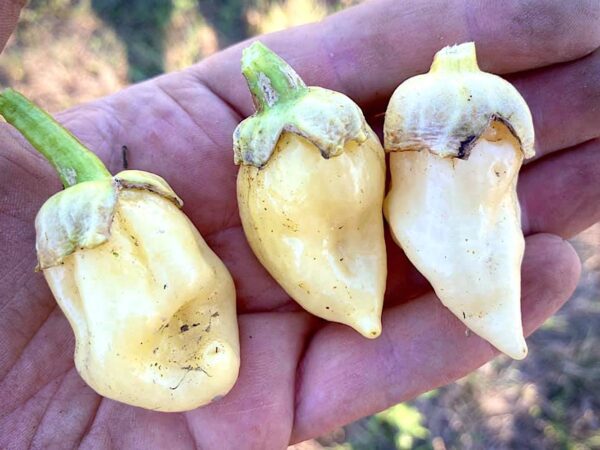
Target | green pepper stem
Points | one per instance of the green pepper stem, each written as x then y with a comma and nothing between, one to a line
270,79
73,162
456,58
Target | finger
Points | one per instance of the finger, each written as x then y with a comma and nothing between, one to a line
259,411
423,346
9,15
368,50
67,412
560,194
564,102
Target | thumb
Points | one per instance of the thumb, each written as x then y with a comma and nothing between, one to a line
9,15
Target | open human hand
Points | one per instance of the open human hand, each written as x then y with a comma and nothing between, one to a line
300,376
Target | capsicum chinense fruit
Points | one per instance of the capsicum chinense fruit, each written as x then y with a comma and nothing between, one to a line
151,306
458,137
310,192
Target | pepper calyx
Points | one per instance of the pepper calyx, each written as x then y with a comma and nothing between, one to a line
447,110
284,103
326,118
80,217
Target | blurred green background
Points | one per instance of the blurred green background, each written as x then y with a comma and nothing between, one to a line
68,51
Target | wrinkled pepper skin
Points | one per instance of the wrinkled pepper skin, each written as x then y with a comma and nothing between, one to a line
151,306
310,192
452,205
152,309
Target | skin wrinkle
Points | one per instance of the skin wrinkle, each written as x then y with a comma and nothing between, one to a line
538,309
32,396
48,404
187,113
19,423
19,293
20,166
22,350
232,220
95,114
99,431
107,133
26,151
90,423
38,372
189,430
391,364
408,391
195,73
35,375
102,428
15,269
312,330
22,220
105,440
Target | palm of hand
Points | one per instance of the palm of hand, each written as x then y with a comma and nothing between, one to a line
300,376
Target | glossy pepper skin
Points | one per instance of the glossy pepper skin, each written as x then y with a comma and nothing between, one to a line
310,192
151,306
458,137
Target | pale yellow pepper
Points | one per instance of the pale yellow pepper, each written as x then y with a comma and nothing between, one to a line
457,138
151,306
310,192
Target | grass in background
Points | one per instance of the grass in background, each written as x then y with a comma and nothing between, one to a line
69,51
141,26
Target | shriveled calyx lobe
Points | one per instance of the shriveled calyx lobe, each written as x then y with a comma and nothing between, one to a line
81,216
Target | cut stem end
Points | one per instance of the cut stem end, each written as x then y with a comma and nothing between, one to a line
270,79
456,58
